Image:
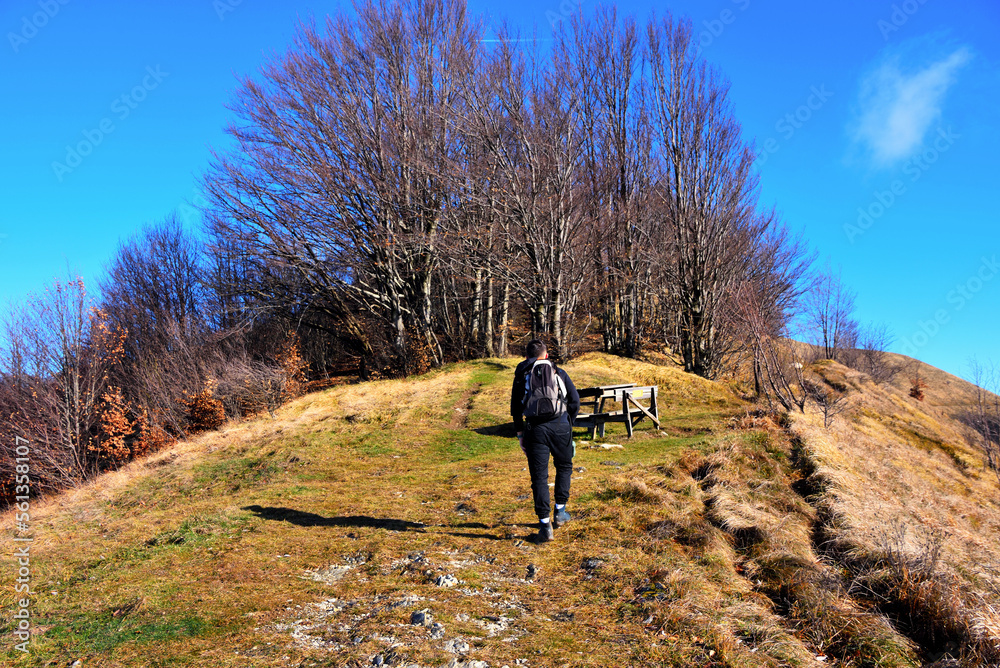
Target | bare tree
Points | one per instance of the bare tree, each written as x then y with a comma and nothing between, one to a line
153,293
57,351
708,193
829,402
778,373
406,183
917,384
872,358
478,255
984,416
762,307
605,58
528,120
829,314
346,149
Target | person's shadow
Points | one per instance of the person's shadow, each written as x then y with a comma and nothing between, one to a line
506,430
304,519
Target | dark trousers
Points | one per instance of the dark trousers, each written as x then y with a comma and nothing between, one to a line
555,437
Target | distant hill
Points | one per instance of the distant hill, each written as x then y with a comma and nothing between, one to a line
943,390
388,523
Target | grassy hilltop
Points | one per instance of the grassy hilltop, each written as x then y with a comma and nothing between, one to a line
732,537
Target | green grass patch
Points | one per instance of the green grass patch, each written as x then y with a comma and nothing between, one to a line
295,490
483,377
374,443
236,473
104,632
188,533
462,444
930,444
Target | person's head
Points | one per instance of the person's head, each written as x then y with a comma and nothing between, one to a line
536,350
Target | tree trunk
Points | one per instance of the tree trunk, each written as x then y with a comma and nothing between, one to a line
488,318
476,335
504,318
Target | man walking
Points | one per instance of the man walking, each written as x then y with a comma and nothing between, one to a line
544,404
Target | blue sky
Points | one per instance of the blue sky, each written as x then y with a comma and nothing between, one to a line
876,125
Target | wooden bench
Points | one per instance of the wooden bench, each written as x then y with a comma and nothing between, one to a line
631,413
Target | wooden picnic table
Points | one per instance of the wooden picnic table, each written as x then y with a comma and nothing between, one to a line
631,413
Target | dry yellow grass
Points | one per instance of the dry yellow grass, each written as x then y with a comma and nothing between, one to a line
203,555
905,497
311,538
943,391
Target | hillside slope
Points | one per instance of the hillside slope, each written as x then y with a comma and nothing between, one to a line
730,538
943,391
909,510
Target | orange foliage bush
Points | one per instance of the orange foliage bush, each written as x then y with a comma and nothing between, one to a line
917,388
149,438
110,447
204,411
294,367
123,438
419,356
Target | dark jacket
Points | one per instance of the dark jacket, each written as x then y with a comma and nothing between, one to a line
517,396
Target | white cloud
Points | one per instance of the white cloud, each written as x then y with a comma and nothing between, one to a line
897,107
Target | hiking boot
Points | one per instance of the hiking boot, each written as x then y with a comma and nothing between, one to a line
562,516
544,532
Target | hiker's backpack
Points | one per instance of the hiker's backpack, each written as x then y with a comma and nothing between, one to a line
544,392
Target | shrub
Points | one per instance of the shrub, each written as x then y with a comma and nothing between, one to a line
294,369
204,411
917,387
110,447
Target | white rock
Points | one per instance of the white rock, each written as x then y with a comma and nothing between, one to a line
328,575
457,646
447,580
